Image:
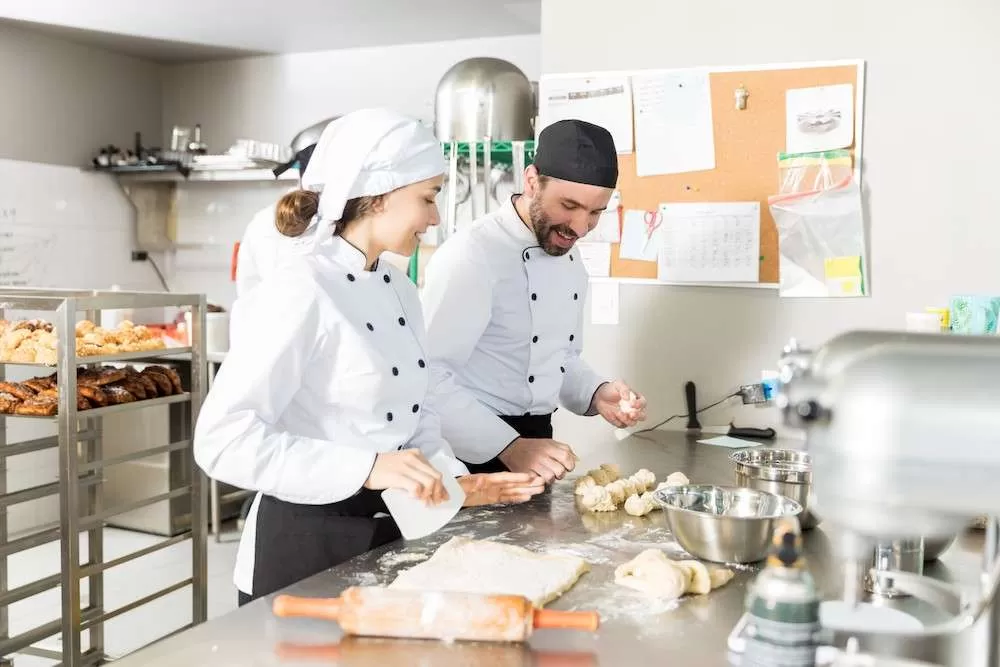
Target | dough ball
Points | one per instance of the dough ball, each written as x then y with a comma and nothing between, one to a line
644,479
612,469
720,576
677,479
651,501
583,483
597,499
625,405
635,506
601,477
652,573
699,581
673,479
629,487
616,490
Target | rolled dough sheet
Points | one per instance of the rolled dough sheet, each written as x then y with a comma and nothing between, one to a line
481,566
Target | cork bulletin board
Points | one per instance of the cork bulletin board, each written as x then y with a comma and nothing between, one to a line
747,144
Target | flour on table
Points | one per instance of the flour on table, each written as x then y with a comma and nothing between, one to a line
391,560
473,566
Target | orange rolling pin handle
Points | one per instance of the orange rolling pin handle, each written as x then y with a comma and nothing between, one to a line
290,606
234,262
553,619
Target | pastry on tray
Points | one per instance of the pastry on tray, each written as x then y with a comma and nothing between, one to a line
164,385
35,341
38,407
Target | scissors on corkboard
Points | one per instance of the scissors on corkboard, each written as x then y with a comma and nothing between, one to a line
653,220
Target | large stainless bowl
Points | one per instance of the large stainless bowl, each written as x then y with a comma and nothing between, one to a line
785,472
724,524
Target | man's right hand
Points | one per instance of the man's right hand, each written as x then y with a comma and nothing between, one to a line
549,459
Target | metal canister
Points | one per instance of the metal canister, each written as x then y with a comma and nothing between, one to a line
783,606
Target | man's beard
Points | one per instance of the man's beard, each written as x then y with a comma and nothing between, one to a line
540,223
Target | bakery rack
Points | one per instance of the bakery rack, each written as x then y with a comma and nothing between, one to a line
79,486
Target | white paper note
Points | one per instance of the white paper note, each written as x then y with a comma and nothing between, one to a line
596,258
728,441
641,235
604,300
819,119
602,100
673,122
710,242
608,229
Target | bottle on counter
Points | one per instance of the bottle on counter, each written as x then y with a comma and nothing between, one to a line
783,606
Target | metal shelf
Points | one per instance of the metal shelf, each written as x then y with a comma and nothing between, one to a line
80,487
151,355
109,409
194,175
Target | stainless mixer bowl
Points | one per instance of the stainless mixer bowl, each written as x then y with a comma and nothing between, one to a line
935,546
724,524
785,472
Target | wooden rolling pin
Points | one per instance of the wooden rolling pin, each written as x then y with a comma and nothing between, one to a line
380,612
368,651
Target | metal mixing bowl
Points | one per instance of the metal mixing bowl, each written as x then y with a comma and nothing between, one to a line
935,546
724,524
785,472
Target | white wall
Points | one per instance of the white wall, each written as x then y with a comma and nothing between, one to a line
929,170
62,101
272,98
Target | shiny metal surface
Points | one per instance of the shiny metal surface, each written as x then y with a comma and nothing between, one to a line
311,134
633,631
724,524
785,472
935,546
904,427
484,97
80,488
893,556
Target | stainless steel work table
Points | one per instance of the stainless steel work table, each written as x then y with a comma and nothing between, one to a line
634,631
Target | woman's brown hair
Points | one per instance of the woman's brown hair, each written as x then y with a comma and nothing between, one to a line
296,210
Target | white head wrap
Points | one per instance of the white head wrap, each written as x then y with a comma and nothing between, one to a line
366,153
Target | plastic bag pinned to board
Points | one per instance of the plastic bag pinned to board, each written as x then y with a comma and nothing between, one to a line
812,172
821,241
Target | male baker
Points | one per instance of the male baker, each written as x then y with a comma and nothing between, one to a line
504,301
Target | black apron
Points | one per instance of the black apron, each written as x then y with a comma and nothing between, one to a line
527,426
294,542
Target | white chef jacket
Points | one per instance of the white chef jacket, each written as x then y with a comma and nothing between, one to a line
506,320
326,368
263,248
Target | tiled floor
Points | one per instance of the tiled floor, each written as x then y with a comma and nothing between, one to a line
122,585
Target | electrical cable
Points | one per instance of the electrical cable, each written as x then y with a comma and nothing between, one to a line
699,411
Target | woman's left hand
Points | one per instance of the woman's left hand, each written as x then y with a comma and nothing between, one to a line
500,488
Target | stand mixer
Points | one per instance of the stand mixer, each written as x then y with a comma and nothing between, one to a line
904,433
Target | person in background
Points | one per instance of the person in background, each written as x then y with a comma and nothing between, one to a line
504,301
325,397
260,251
263,244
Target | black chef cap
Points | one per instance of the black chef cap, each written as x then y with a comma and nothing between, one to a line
578,151
302,158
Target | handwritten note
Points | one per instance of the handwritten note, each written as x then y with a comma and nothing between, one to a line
673,122
602,100
604,302
608,229
641,240
596,258
710,242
